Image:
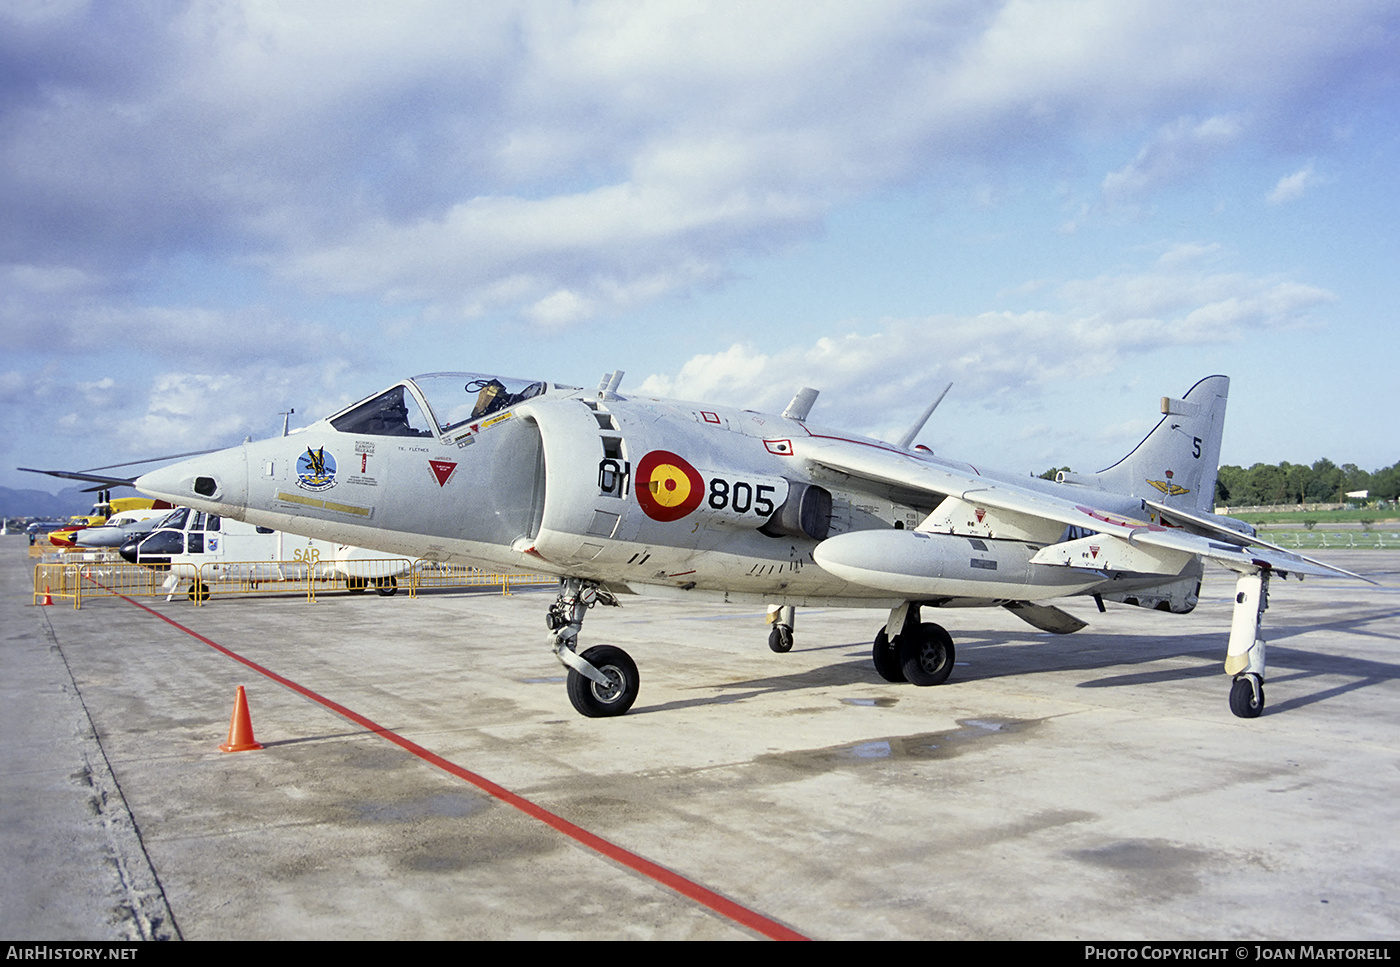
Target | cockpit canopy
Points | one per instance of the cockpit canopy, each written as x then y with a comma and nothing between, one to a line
451,400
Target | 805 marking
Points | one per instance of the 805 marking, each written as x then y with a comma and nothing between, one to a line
741,497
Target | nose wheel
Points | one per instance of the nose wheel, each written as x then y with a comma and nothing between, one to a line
603,681
597,700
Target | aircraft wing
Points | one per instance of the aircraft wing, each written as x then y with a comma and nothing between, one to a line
1119,542
1184,519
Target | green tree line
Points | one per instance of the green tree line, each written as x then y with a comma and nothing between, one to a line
1297,483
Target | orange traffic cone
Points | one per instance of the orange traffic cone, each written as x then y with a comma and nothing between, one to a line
48,598
240,727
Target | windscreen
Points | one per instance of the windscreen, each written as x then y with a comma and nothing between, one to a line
392,413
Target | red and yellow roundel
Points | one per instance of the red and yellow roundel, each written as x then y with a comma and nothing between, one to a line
667,486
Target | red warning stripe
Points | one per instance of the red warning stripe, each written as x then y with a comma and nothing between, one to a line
687,888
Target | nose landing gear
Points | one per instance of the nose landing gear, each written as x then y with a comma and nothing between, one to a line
603,681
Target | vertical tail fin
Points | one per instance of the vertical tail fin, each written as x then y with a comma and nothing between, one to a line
1177,463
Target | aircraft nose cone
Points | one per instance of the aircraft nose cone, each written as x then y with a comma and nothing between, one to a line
214,482
100,537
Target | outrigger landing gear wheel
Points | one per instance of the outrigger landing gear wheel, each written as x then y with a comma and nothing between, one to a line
1247,697
780,639
1245,657
783,618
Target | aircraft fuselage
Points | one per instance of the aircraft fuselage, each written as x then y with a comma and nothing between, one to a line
628,492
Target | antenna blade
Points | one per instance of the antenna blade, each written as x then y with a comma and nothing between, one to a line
913,431
801,404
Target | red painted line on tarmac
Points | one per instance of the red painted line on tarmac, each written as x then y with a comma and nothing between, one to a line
687,888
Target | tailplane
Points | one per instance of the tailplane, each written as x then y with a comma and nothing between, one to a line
1177,463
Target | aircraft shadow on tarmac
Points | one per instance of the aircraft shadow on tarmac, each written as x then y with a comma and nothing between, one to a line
992,655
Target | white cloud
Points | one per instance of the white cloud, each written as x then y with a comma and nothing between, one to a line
1097,325
1291,187
614,151
181,410
558,310
738,372
1178,151
100,326
613,245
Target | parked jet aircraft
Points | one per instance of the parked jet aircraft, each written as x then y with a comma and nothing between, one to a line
123,525
619,494
197,547
102,513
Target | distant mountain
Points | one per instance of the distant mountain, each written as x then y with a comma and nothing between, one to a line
39,503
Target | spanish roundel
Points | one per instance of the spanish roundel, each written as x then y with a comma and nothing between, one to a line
667,486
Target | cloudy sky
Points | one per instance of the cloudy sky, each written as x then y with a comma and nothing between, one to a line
213,211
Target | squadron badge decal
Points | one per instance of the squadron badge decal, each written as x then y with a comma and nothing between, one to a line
1168,487
667,486
316,470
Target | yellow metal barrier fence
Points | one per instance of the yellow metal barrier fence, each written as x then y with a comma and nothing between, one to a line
74,581
431,575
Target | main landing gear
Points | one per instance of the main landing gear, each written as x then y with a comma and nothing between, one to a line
919,653
1245,657
603,681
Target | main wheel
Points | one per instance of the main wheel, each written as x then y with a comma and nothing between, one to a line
386,587
356,585
199,591
599,701
887,659
780,639
928,658
1242,701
